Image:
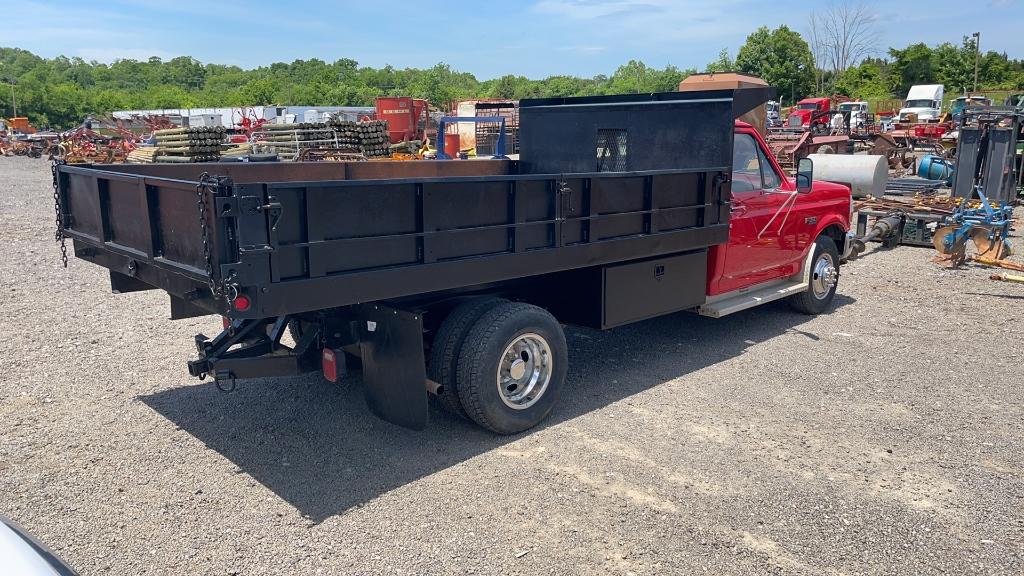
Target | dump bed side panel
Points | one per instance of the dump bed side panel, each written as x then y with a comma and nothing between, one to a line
299,246
345,242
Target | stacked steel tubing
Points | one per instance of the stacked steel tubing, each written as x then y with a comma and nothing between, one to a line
290,141
194,144
369,137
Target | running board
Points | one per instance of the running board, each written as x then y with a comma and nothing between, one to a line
729,303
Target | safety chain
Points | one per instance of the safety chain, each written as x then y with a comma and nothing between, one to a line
225,289
58,235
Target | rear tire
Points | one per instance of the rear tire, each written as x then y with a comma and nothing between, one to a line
823,281
444,353
512,367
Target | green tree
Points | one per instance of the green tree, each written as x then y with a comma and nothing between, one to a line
914,64
724,63
782,58
863,82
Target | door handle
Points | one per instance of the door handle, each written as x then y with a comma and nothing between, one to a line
737,209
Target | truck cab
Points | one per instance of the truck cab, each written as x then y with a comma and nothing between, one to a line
772,113
775,228
924,103
859,114
956,107
810,113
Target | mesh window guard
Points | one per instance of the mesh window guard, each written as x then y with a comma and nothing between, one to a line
612,150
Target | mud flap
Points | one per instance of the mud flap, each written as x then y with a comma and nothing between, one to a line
394,370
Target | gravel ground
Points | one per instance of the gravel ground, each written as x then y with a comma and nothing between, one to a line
882,438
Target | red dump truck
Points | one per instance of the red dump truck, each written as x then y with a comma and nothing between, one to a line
453,279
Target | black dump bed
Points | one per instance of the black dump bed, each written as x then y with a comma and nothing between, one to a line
296,237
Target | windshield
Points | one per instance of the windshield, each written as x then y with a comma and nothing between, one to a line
918,104
807,106
850,107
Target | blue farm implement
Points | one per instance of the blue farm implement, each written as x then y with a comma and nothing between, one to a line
987,226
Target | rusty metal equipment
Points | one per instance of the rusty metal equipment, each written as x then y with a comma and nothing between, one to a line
84,144
998,263
331,155
887,229
790,146
1003,277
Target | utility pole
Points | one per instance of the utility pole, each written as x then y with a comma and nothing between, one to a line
977,56
14,105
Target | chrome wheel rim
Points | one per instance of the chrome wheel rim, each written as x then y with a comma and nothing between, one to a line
824,276
524,371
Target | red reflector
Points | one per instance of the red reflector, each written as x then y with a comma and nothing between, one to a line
330,365
242,303
227,322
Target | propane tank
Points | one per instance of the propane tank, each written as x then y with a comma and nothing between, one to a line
864,173
935,168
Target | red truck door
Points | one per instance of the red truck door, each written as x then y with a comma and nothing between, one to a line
762,232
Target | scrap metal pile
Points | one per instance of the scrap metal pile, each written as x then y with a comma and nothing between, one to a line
195,144
30,148
85,145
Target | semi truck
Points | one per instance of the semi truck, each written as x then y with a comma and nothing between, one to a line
923,104
814,114
453,279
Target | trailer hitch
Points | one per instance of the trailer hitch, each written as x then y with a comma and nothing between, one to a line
253,348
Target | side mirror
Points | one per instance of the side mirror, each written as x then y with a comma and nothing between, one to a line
804,175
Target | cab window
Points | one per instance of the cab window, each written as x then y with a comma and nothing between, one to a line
751,169
746,165
769,178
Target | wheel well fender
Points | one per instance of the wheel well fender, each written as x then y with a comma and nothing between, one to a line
837,233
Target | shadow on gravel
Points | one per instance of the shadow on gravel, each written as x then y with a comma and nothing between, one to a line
317,446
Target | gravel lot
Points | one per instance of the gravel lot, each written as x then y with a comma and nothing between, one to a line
883,438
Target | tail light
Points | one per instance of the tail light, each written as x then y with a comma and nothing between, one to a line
242,303
330,365
226,321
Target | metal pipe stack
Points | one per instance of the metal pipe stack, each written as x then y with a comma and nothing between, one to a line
143,155
370,138
289,140
195,144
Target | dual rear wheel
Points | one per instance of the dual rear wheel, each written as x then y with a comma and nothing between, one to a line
502,364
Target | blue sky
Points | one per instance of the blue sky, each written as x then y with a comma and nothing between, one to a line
536,38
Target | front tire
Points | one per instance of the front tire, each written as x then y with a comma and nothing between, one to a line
512,367
824,279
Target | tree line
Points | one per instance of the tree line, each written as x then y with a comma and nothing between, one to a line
60,91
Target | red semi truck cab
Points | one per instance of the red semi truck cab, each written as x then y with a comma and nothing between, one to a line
810,112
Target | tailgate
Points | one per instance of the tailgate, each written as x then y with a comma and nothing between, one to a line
147,230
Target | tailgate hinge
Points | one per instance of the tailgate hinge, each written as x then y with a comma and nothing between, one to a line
255,205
